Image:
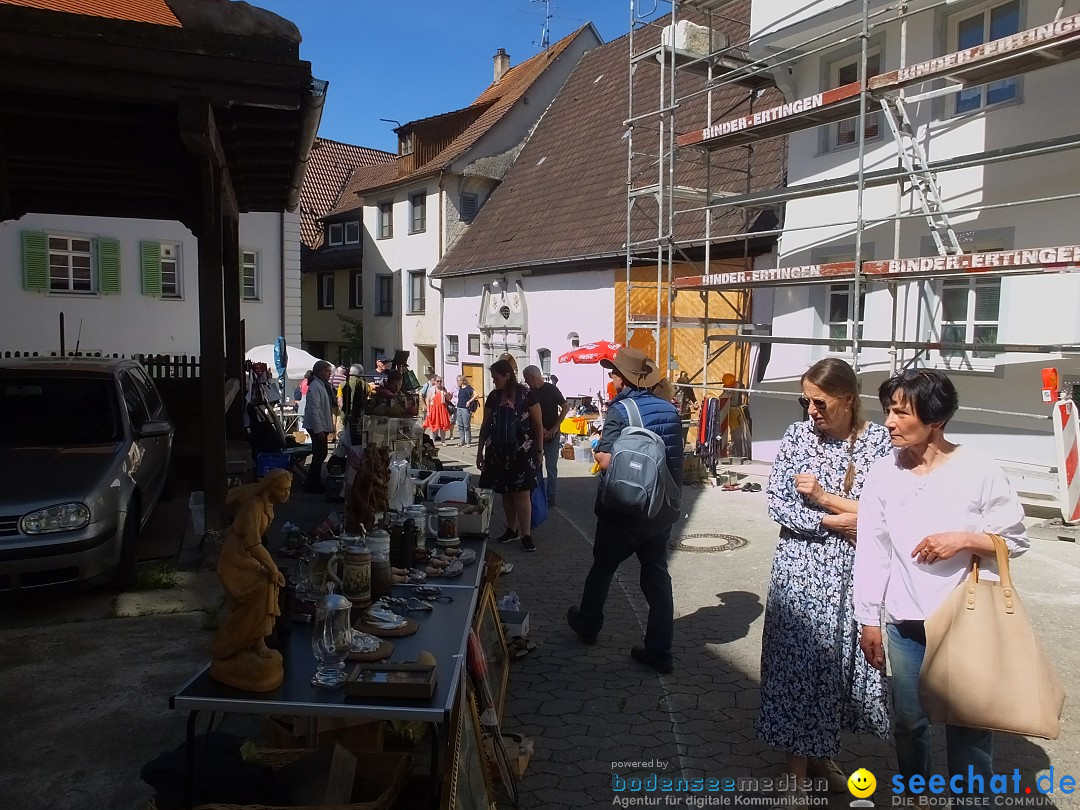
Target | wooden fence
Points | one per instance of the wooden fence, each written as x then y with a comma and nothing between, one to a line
158,366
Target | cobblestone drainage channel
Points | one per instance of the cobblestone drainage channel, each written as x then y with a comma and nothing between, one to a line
707,543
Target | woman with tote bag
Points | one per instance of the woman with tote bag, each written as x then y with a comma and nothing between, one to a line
925,510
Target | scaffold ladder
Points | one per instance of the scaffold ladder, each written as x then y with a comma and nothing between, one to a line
923,181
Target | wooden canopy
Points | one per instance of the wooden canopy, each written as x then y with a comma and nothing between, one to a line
117,118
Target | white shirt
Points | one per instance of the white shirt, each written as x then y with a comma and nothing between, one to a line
899,509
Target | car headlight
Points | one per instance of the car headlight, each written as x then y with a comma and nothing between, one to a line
62,518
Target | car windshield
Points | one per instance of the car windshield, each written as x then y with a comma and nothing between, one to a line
56,411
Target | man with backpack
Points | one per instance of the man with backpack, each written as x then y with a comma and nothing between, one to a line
637,502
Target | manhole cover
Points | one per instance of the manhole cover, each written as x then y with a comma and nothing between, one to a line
707,543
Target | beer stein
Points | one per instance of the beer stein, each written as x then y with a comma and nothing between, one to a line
322,564
445,527
356,576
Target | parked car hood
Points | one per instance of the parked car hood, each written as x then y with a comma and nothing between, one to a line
35,477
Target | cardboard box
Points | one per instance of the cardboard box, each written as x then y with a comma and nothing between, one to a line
516,622
353,735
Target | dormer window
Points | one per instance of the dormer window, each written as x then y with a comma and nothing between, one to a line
405,143
352,232
335,233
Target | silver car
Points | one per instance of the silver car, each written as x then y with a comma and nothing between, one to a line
86,445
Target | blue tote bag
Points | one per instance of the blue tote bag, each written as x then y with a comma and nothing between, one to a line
539,501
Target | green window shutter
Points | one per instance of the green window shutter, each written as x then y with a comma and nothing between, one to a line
35,245
150,259
108,266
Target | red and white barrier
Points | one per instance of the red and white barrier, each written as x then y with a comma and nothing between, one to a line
1067,440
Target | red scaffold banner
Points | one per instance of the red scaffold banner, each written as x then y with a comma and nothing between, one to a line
1052,259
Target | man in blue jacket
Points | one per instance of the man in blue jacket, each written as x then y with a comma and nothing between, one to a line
618,535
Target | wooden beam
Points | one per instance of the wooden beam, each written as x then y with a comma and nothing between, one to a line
199,131
6,210
234,341
212,342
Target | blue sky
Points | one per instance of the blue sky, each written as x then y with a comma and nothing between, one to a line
408,60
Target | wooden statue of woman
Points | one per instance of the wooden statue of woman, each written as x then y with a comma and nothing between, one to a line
251,580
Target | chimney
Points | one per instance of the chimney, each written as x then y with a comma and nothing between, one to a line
502,64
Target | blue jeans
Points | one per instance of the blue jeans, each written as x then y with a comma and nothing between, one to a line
552,449
612,545
969,751
463,419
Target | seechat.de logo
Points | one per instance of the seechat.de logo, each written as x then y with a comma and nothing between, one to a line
861,784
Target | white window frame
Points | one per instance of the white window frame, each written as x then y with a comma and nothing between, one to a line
953,45
170,255
385,226
417,303
357,300
352,232
845,290
453,347
325,283
66,256
544,357
874,124
250,286
969,360
418,204
335,234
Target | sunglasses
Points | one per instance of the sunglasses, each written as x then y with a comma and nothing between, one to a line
819,404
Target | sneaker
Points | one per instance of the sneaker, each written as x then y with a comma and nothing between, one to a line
573,618
527,543
830,771
551,502
506,536
661,664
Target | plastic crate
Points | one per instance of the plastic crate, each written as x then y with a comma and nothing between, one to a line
265,462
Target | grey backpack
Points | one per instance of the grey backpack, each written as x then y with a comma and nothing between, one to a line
638,482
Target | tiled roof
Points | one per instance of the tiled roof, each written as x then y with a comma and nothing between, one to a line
564,198
331,165
148,11
499,98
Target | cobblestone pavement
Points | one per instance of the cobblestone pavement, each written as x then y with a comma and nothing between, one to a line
593,713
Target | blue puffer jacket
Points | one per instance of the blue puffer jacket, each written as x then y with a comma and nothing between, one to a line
661,417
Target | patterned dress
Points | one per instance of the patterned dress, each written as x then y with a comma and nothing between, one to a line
815,681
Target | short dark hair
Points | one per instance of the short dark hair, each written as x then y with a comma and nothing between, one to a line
931,393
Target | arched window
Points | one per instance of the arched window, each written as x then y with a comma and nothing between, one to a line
545,361
575,341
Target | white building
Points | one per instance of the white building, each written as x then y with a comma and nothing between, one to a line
980,138
130,286
416,206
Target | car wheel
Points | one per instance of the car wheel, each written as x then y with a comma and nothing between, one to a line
127,568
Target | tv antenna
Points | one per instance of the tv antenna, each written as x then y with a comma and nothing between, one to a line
545,30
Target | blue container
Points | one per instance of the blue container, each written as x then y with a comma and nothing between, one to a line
265,462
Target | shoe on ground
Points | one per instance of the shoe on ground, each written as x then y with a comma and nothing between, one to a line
573,618
506,536
527,543
663,665
830,771
551,503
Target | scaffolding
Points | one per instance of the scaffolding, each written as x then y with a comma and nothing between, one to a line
686,125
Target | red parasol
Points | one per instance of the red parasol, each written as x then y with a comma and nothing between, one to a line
591,352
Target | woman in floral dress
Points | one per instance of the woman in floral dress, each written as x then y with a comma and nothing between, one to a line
814,682
510,451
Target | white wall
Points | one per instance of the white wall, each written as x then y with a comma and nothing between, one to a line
558,304
399,255
1034,309
132,322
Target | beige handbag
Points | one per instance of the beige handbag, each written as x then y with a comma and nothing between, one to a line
984,666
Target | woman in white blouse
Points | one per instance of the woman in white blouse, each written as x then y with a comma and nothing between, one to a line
925,510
